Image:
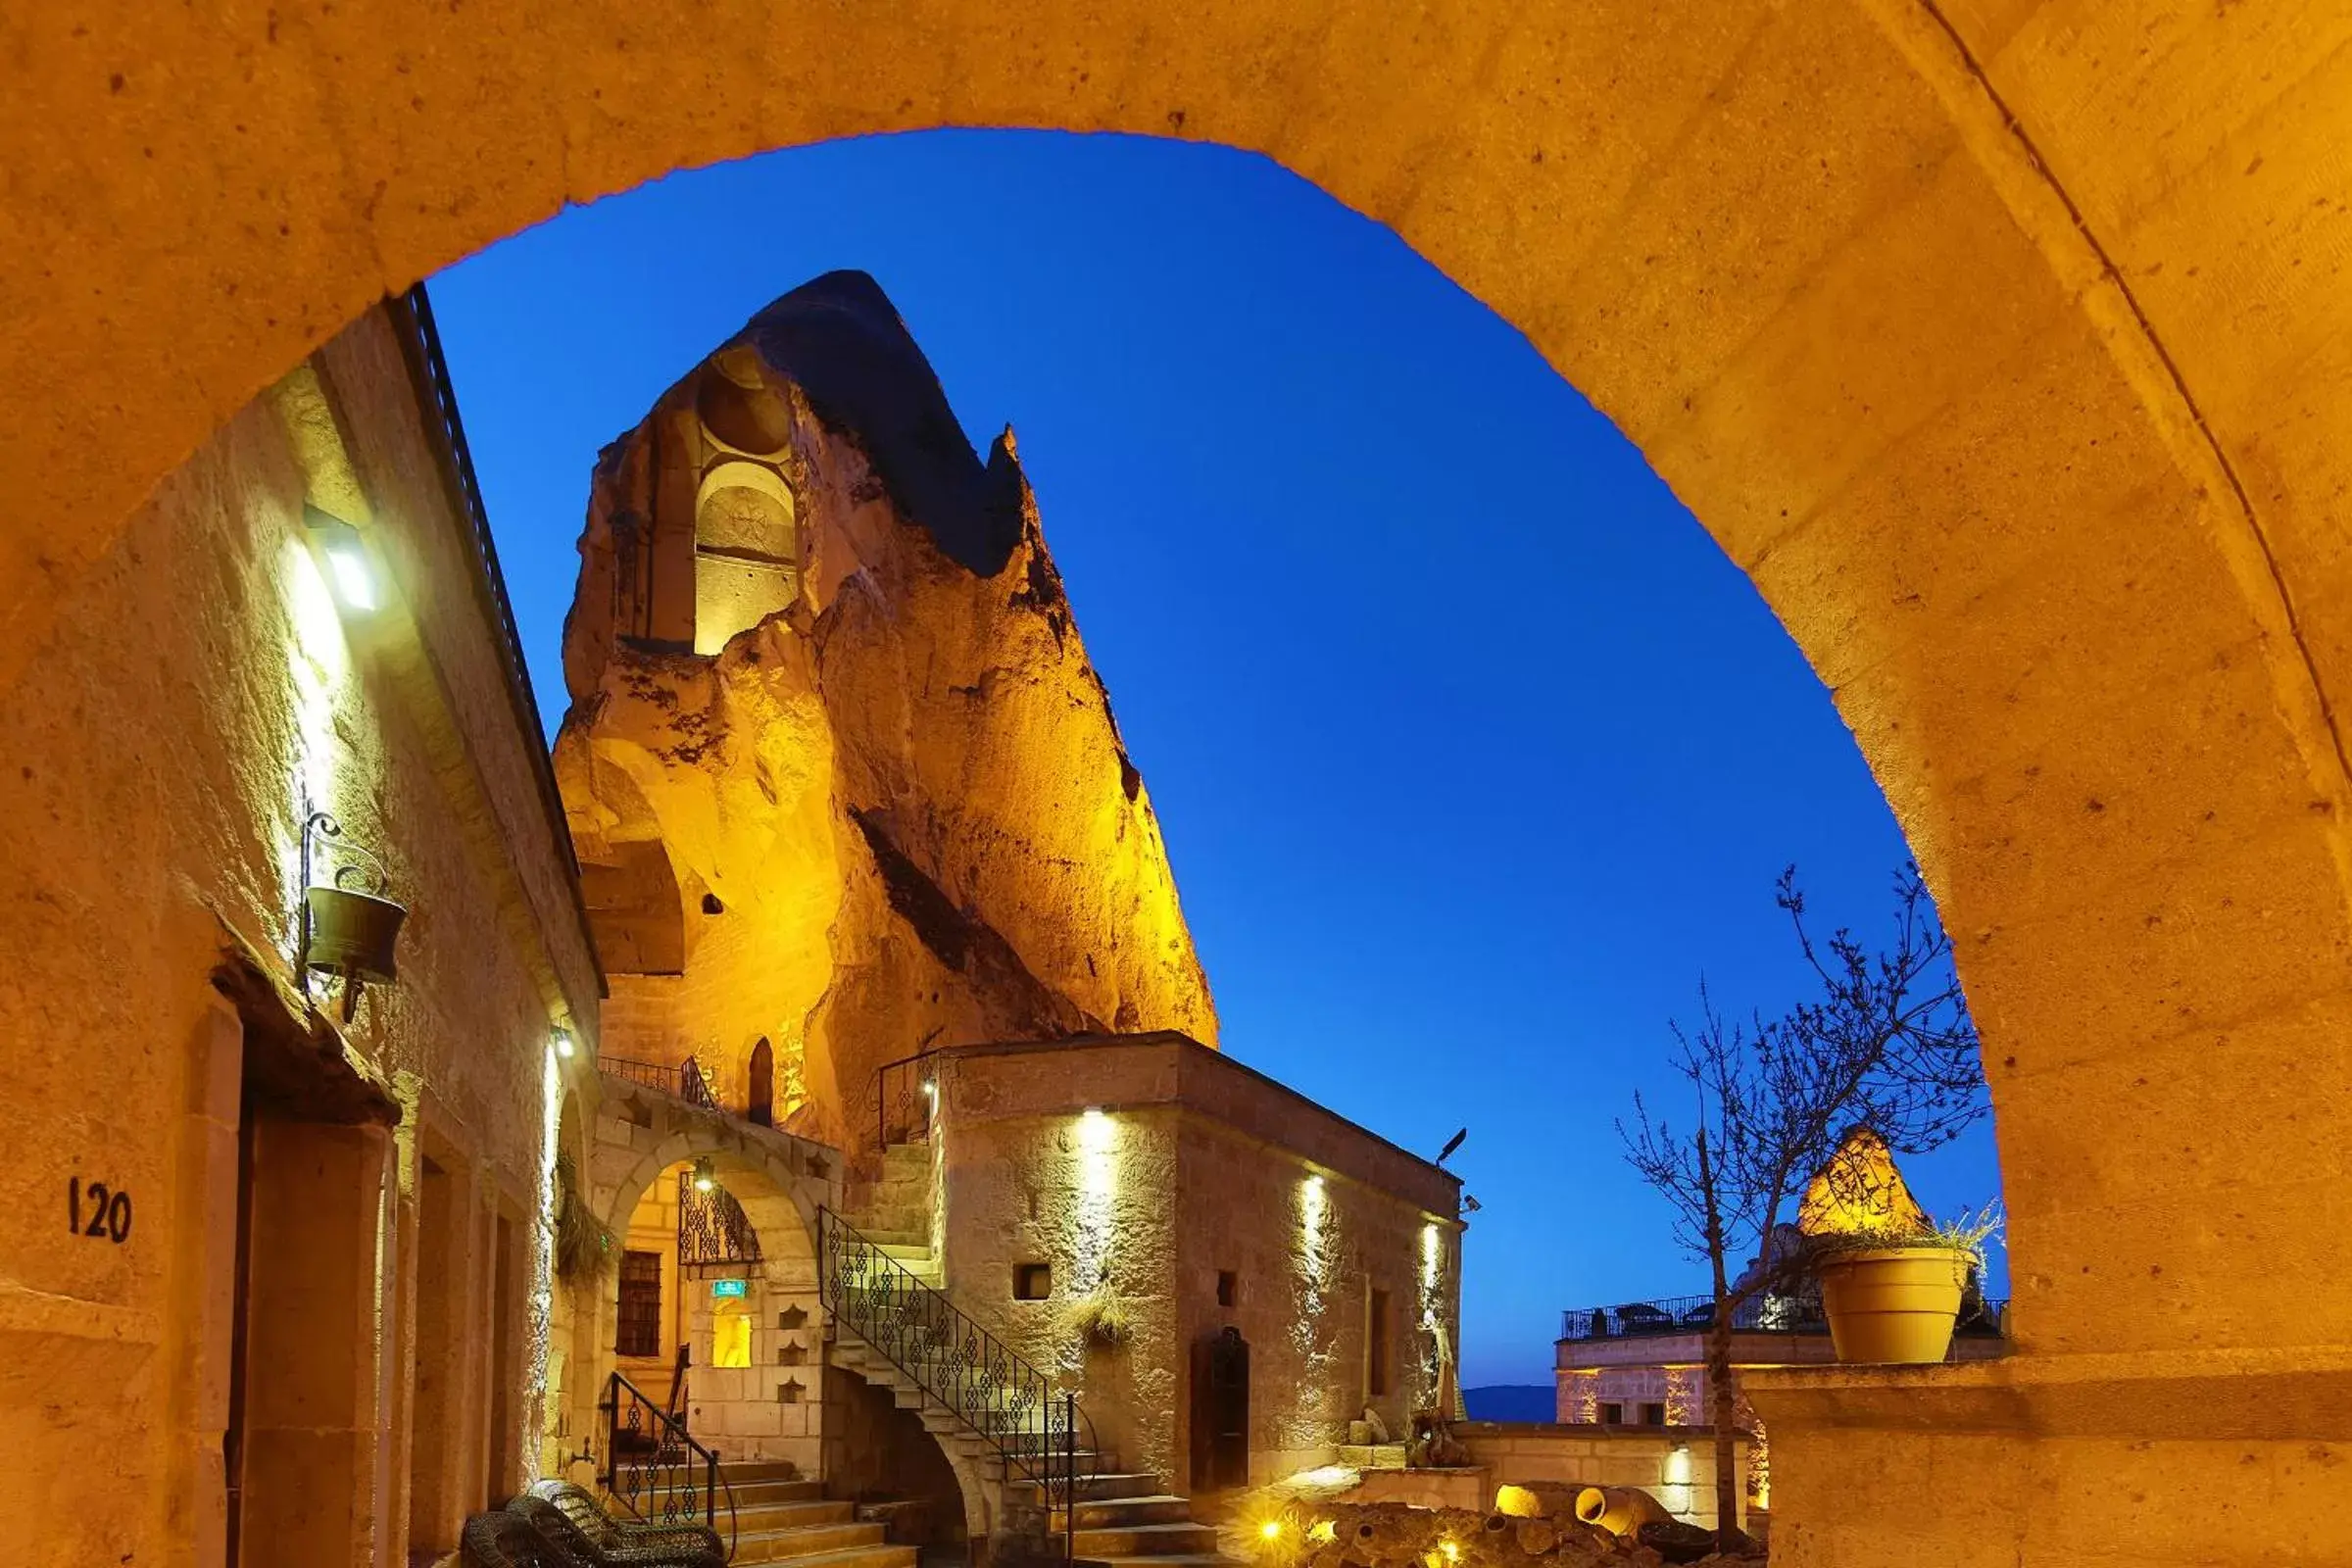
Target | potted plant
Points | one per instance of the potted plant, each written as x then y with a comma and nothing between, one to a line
1892,1294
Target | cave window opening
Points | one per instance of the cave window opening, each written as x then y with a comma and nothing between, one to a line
745,551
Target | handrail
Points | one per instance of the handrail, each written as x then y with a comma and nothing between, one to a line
910,1115
685,1081
651,1459
984,1382
679,1367
1771,1312
695,1088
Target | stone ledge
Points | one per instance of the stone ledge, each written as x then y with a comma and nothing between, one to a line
2266,1393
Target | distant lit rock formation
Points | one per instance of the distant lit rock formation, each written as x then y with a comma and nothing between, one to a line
840,773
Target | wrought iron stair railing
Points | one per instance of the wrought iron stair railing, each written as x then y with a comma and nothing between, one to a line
654,1468
1031,1424
686,1080
906,1097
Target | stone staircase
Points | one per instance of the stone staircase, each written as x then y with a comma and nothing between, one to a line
1124,1518
781,1519
894,1208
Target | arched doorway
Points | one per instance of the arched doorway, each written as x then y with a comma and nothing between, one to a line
725,1269
760,1094
1939,324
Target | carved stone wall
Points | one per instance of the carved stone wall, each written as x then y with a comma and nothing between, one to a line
839,769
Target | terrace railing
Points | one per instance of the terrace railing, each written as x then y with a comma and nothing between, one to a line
905,1093
685,1080
1768,1313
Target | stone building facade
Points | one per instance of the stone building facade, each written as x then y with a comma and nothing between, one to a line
1198,1195
275,1255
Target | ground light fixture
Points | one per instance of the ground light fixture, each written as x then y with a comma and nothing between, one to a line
349,572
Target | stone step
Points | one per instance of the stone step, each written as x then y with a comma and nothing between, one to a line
759,1494
1102,1485
890,1236
740,1471
1183,1559
793,1515
1158,1540
803,1540
1116,1513
993,1464
915,1260
773,1548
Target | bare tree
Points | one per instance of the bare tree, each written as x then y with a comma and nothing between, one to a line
1885,1045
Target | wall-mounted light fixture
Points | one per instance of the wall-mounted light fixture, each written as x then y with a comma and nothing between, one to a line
704,1179
563,1044
349,931
348,569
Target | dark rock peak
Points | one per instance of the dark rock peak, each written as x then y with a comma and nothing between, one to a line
841,339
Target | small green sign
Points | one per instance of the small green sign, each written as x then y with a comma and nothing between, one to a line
724,1288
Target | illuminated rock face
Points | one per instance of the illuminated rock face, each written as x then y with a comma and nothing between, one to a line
840,773
1860,1188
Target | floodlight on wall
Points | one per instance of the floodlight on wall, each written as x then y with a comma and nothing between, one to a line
347,569
350,927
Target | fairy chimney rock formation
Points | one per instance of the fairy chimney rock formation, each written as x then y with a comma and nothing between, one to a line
842,779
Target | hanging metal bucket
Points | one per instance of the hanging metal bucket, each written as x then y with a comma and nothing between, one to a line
352,933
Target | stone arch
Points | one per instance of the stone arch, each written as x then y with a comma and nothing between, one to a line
739,409
781,1181
1937,317
982,1496
746,548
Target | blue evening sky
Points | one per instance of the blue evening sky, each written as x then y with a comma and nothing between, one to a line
1472,751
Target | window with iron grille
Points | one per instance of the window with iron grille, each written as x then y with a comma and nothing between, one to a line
640,1304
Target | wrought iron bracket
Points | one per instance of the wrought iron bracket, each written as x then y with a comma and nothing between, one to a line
356,869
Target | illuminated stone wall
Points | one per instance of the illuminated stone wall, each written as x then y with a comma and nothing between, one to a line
891,809
159,744
1160,1166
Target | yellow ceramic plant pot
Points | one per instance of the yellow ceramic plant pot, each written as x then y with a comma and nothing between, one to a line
1894,1303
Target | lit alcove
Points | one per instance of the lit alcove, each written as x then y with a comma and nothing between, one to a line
731,1319
746,554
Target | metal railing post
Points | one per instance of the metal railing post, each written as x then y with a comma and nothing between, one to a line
612,1430
1069,1448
